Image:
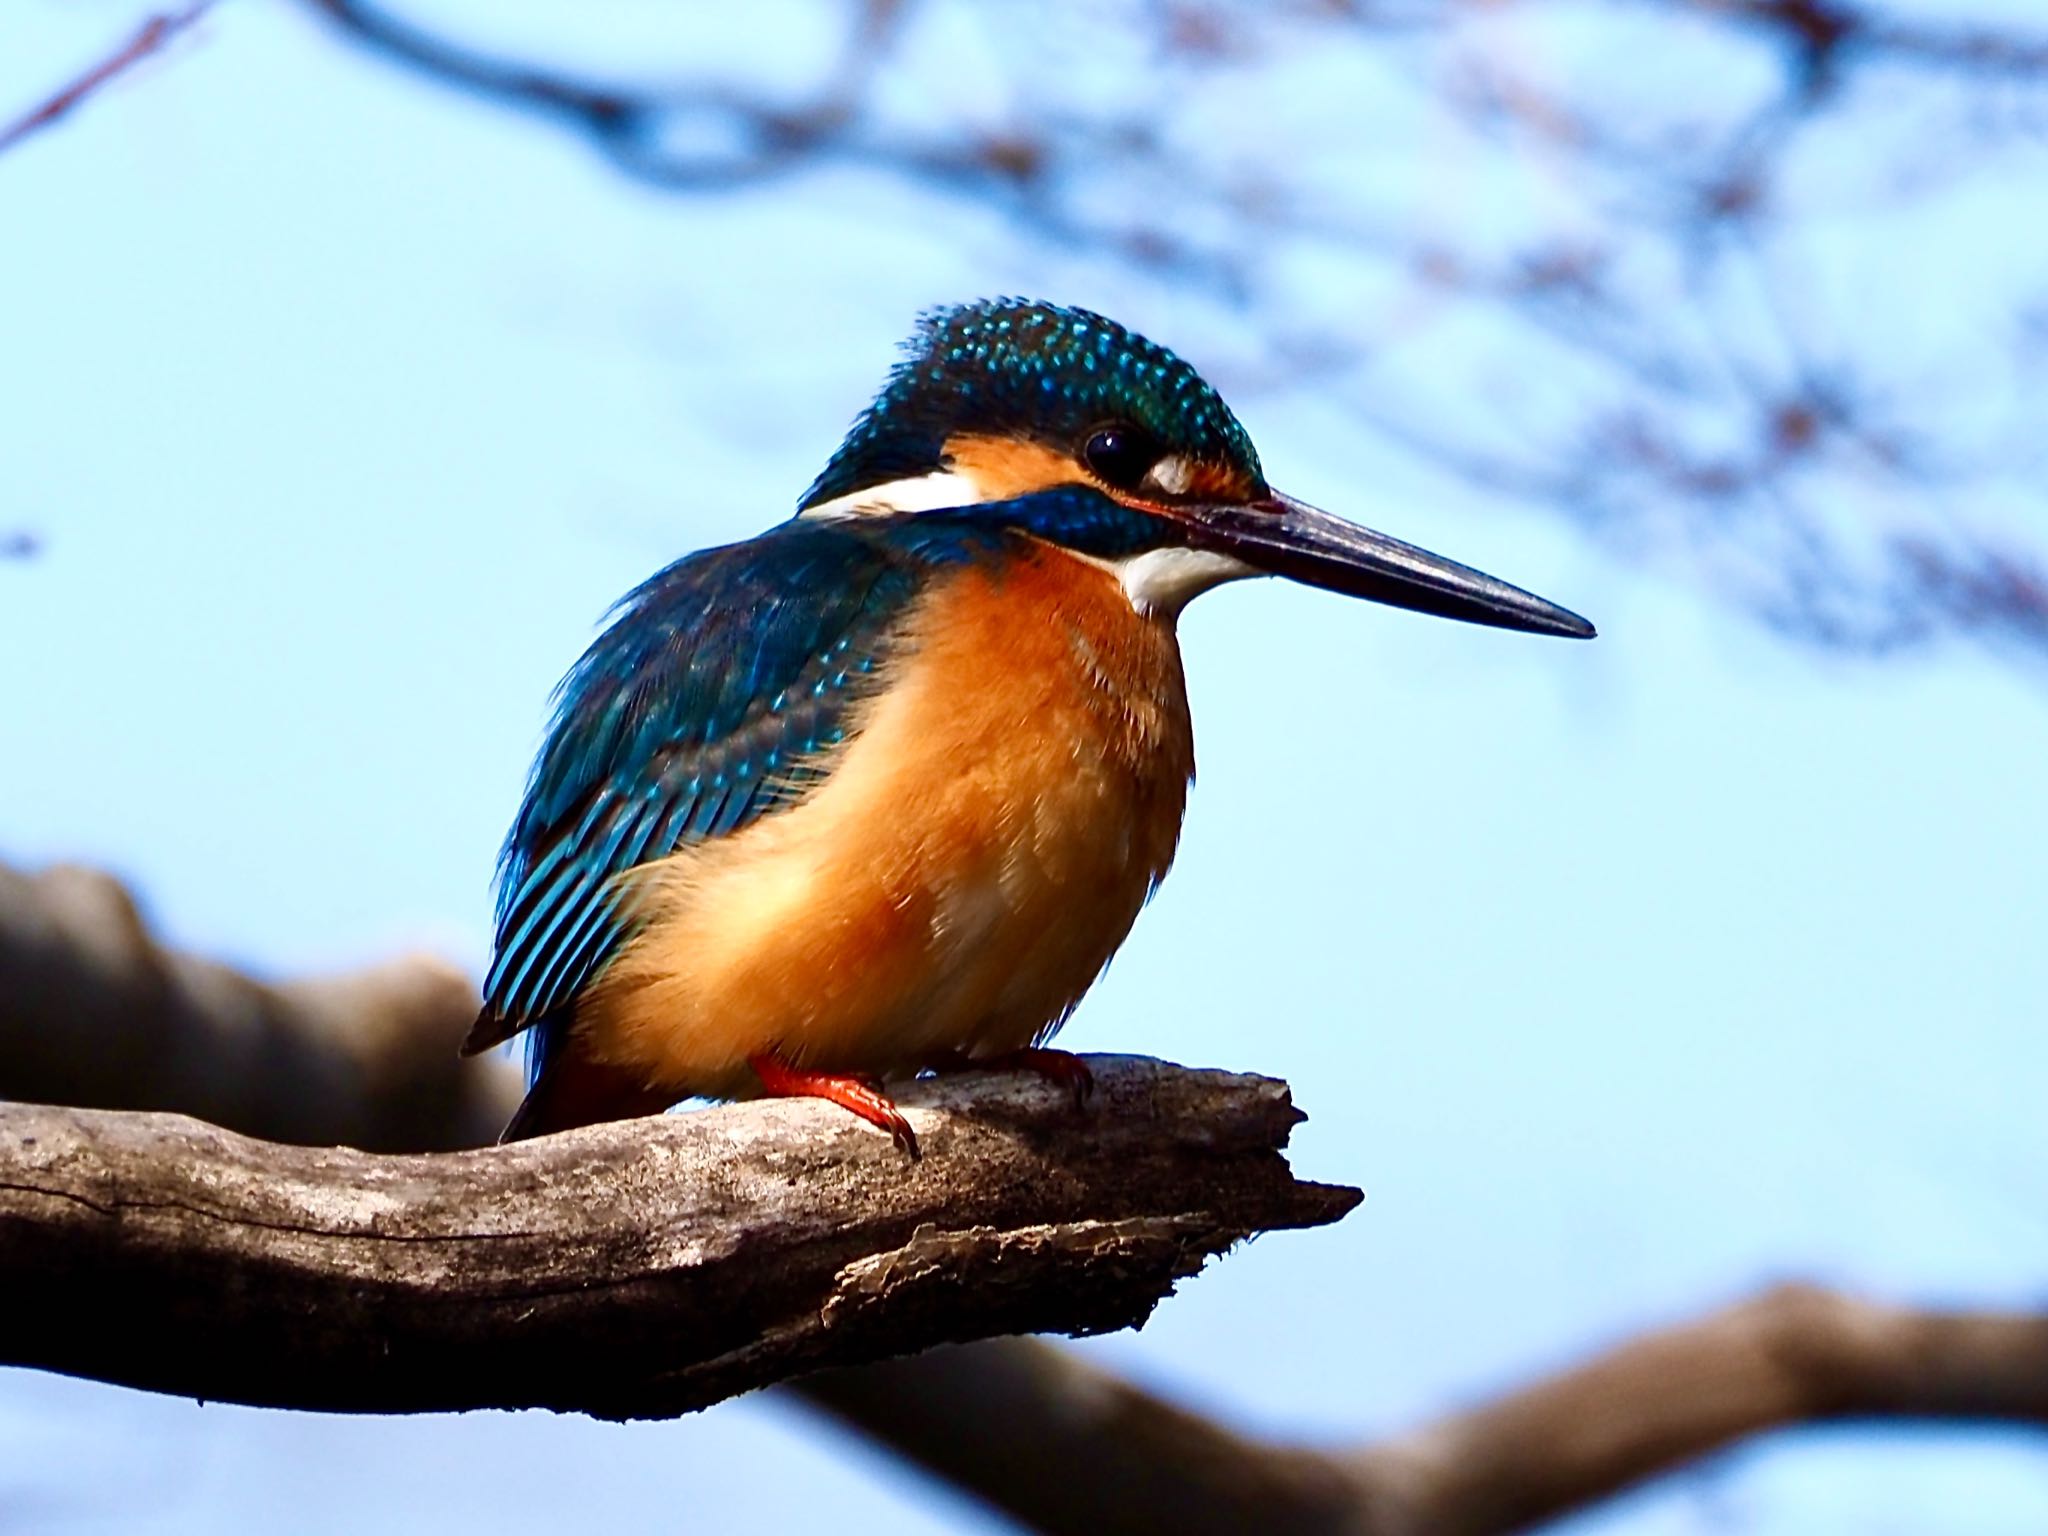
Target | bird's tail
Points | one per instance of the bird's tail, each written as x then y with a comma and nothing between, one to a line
569,1091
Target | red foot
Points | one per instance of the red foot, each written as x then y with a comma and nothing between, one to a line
1062,1067
860,1095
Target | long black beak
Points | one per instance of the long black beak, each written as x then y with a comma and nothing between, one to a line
1291,538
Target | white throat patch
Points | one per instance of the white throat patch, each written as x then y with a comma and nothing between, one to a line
1161,582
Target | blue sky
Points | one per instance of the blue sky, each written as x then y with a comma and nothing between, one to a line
1626,977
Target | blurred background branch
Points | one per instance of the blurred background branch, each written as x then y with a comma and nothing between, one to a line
1104,1456
1672,266
1674,260
99,1014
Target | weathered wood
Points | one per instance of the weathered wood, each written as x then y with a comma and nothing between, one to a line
637,1269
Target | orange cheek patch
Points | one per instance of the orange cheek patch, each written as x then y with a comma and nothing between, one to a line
1002,467
1209,480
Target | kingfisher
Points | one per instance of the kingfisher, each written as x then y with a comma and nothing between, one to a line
881,790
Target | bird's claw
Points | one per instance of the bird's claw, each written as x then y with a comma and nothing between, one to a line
1061,1067
861,1094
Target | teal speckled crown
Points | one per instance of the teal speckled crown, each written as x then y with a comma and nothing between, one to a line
1017,368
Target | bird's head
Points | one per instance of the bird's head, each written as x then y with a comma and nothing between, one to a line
1001,400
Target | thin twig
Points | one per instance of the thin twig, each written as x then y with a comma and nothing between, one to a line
149,38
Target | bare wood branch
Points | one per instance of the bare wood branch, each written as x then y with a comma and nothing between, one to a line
639,1269
149,38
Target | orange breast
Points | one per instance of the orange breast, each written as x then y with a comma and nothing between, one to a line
981,848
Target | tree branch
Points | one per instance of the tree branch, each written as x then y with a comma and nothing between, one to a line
1033,1429
627,1270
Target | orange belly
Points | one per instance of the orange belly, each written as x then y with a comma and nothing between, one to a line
980,849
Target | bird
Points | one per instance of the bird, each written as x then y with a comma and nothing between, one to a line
881,790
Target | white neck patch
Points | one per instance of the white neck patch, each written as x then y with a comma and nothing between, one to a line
933,492
1159,582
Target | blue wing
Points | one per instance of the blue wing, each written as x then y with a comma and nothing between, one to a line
713,697
705,704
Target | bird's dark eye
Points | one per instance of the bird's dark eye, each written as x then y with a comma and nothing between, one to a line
1120,455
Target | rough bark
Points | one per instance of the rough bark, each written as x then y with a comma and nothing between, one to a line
637,1269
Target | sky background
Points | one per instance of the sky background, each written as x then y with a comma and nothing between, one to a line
1626,977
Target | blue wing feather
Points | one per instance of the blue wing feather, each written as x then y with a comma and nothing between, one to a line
701,707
